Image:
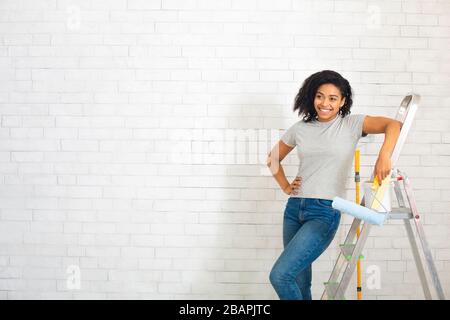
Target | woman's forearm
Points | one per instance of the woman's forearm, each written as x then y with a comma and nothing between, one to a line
390,137
383,165
278,173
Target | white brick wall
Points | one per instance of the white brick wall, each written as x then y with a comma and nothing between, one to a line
114,121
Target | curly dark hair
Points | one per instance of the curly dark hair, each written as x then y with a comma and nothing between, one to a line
304,101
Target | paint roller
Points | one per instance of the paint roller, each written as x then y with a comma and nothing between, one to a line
358,211
363,213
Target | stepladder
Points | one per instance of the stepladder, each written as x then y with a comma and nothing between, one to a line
351,250
406,210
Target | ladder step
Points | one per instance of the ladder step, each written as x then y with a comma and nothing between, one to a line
347,251
400,214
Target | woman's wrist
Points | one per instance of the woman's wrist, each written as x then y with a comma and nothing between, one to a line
286,189
384,153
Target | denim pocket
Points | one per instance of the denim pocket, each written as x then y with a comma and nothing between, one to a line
324,203
292,208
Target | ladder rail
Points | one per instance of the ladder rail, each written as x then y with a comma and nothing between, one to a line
341,260
351,265
418,260
423,241
413,242
405,114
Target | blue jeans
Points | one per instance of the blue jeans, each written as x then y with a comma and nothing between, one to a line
309,226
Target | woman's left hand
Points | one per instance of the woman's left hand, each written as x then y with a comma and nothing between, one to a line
382,167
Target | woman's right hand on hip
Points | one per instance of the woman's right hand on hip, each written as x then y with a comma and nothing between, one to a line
293,187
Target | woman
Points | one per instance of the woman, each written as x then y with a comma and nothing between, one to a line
326,138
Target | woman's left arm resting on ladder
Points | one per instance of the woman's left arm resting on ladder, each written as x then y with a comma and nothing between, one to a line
391,129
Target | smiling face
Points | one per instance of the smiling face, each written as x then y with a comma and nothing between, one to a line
328,101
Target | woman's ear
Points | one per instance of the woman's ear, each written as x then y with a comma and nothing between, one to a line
342,103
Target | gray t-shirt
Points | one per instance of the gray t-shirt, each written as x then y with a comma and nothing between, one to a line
325,151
